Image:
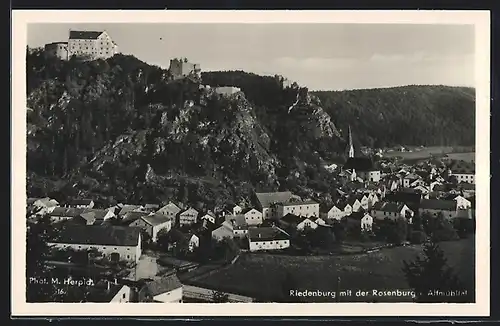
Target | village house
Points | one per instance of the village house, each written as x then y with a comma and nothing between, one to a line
124,209
291,221
462,202
424,190
373,198
319,221
208,217
165,289
188,217
109,292
463,171
362,168
115,242
194,242
170,210
434,207
130,217
153,224
94,216
393,211
363,220
354,203
406,196
80,203
346,208
267,202
267,238
333,213
237,209
151,207
364,201
303,208
409,179
223,231
252,216
417,183
237,224
60,214
43,205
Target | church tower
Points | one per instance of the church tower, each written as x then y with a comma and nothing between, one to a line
350,146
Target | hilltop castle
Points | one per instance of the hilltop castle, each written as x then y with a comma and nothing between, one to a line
89,45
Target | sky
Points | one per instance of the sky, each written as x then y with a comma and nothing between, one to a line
319,56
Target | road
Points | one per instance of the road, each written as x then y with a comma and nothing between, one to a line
194,292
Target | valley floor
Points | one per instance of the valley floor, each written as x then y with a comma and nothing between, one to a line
261,275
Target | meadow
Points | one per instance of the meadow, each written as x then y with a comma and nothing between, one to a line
261,274
427,152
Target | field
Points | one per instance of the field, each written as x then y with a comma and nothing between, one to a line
260,275
463,156
427,152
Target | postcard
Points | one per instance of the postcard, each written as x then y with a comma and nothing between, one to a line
250,163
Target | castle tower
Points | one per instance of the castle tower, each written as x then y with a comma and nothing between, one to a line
350,146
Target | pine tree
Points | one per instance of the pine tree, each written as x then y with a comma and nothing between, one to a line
432,279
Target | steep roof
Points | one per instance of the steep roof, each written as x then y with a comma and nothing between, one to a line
246,210
239,219
266,199
437,204
190,210
388,207
97,214
292,219
128,208
84,35
59,211
163,285
132,216
404,197
360,164
267,234
80,202
155,219
170,207
99,235
296,202
462,167
466,186
358,216
101,293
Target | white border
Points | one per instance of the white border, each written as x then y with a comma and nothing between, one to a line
481,20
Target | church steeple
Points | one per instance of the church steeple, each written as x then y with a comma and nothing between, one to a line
350,146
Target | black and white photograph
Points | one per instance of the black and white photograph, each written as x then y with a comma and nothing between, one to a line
253,162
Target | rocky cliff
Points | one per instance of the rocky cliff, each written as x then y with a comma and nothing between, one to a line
121,130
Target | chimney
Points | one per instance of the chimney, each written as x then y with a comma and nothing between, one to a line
260,235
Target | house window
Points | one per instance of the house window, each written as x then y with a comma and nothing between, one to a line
128,256
123,295
79,247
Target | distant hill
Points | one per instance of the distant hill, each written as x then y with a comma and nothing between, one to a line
409,115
